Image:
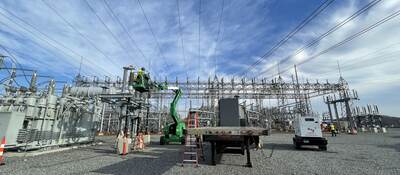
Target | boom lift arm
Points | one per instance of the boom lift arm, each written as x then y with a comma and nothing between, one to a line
173,132
172,110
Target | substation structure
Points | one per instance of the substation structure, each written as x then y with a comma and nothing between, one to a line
32,118
289,99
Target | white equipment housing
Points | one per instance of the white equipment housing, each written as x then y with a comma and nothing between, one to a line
308,132
307,127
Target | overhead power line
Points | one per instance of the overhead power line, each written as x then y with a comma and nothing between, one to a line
199,30
152,31
37,37
199,35
124,28
218,35
15,61
350,38
288,36
181,35
366,62
47,37
80,33
330,31
108,29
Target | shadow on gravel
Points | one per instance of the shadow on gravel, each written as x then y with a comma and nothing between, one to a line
227,157
222,158
63,162
395,147
104,151
290,147
150,163
279,146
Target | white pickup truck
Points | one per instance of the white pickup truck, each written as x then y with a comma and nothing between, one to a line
308,132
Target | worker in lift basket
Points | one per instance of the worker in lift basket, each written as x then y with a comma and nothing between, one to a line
333,130
141,72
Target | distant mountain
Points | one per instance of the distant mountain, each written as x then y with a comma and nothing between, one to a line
389,121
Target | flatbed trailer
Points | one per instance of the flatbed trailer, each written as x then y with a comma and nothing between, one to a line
223,137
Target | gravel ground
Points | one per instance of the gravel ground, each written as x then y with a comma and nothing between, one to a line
365,153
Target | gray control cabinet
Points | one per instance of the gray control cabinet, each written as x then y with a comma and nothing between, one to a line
230,112
10,123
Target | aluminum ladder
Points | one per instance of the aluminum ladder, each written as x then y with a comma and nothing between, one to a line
193,147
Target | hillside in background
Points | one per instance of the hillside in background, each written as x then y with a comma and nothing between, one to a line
389,121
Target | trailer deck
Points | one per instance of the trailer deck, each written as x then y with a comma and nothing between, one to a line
222,137
223,130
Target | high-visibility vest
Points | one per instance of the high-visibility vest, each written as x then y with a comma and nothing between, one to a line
332,127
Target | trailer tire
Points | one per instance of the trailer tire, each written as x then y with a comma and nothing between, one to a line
162,142
322,147
183,141
297,145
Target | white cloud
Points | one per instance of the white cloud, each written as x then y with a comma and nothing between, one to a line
369,74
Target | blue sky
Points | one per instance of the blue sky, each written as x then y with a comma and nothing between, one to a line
229,43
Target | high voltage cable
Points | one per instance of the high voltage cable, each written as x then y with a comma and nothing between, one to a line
218,35
365,30
45,35
151,30
36,36
80,33
324,35
108,29
15,61
336,27
181,35
365,59
369,62
348,39
124,28
199,34
302,24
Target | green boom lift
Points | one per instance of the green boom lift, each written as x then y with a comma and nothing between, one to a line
173,132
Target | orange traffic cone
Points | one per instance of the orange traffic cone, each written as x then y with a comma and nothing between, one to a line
3,144
124,146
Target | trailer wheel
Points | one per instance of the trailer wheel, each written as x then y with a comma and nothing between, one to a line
297,145
183,141
322,147
162,140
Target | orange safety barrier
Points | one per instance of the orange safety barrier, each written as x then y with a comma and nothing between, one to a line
3,144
